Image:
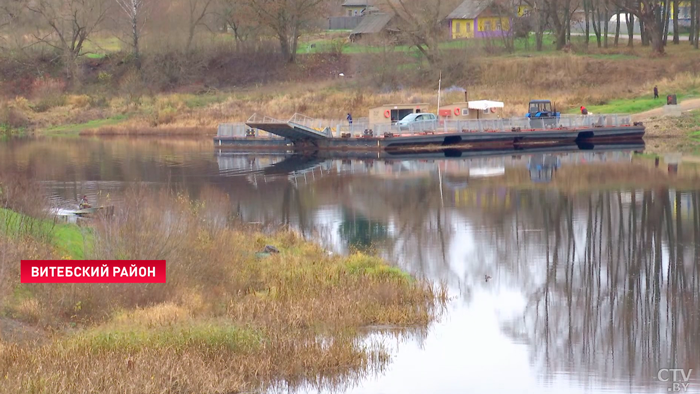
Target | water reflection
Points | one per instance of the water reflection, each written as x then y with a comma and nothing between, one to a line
618,294
593,255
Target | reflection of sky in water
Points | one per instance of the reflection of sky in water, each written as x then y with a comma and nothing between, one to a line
481,345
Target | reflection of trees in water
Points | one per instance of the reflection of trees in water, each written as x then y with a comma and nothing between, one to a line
361,233
421,230
611,277
619,291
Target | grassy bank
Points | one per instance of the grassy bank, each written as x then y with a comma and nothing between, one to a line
68,239
229,319
114,101
636,105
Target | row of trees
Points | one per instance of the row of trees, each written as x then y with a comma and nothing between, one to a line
68,25
653,16
422,23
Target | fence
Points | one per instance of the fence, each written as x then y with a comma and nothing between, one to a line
255,118
320,125
454,126
482,125
238,130
344,22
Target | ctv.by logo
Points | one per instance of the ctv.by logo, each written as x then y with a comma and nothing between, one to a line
677,377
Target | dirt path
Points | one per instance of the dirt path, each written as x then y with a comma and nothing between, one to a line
687,105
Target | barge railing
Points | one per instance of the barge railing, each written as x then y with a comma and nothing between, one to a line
256,118
358,128
239,130
489,125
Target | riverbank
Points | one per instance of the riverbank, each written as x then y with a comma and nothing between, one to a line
614,81
673,134
231,318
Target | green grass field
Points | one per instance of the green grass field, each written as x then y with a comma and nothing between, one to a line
68,238
522,46
633,105
76,128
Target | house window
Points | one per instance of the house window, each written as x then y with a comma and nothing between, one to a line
468,27
487,26
349,12
498,25
458,27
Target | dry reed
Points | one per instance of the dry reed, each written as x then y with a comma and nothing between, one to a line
229,319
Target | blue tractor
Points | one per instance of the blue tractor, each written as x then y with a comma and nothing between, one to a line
542,115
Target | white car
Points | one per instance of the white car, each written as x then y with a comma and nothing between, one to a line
419,121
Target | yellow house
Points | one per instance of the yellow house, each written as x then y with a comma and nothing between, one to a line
684,9
475,18
523,10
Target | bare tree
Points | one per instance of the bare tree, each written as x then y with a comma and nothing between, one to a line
538,15
9,15
594,8
421,23
617,27
237,17
66,25
558,13
136,15
693,20
198,9
676,37
695,23
507,11
650,16
630,29
287,19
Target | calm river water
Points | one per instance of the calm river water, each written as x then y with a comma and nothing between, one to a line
572,271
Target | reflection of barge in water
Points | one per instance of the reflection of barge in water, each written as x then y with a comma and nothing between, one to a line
232,163
301,133
448,153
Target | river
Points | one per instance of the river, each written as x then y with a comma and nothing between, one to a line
571,271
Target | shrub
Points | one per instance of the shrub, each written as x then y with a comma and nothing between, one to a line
12,117
80,101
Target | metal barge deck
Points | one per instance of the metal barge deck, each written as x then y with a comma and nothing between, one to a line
302,133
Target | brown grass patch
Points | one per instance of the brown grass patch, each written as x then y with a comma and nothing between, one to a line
229,318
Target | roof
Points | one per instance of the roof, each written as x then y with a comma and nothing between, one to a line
356,3
485,104
372,23
407,105
469,9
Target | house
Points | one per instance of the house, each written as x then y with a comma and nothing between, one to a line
375,24
358,7
480,19
523,10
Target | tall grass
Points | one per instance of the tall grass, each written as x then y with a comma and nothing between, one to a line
602,85
228,318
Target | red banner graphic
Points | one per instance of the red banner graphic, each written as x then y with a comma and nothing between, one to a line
93,271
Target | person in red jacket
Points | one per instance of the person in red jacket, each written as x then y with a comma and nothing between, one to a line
84,203
584,111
